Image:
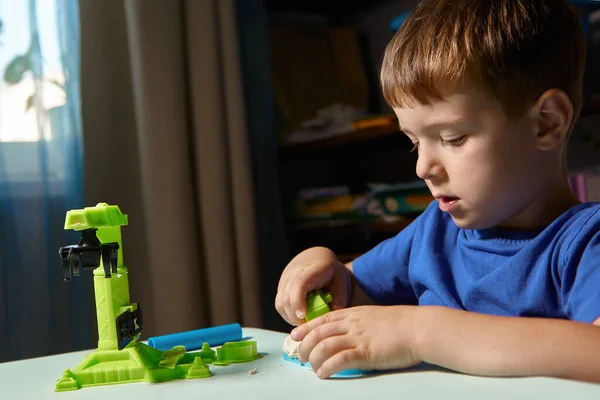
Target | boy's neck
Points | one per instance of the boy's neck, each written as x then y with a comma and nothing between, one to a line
548,206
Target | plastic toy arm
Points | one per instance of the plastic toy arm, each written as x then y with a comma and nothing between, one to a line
87,255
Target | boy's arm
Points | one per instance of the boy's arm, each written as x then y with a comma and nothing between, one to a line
508,346
358,297
492,345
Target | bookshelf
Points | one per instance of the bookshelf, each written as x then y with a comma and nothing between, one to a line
357,137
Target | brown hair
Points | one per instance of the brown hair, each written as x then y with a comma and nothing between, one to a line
510,50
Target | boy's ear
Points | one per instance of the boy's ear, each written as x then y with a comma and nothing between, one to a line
553,113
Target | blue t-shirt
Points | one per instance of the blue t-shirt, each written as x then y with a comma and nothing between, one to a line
552,272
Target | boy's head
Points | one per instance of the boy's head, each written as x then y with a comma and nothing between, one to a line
510,50
489,91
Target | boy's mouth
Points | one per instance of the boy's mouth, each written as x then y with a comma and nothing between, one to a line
447,203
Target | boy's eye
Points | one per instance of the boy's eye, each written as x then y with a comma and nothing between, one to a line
455,142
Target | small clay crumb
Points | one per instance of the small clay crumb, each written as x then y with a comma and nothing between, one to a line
253,371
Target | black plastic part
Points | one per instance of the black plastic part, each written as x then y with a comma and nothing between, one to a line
129,324
87,253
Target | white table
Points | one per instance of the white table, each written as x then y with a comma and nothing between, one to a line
35,379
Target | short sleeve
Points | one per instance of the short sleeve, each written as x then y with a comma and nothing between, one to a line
383,272
580,278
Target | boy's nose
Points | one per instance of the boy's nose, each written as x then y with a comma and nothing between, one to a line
428,167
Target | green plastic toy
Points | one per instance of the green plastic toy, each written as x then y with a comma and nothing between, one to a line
208,355
317,304
120,357
237,352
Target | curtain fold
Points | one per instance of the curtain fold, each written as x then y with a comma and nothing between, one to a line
273,249
223,169
243,193
175,82
159,93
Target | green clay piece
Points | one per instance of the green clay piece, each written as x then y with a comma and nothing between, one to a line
198,369
237,352
207,354
317,304
170,358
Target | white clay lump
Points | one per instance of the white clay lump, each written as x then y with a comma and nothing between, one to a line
290,347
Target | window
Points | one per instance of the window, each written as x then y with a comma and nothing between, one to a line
26,130
18,122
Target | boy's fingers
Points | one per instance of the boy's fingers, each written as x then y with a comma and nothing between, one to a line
347,359
301,331
284,280
317,338
327,348
293,319
306,282
285,307
279,305
298,299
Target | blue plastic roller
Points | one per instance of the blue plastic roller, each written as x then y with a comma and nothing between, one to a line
193,340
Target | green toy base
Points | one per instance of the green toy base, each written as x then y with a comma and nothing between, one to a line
136,363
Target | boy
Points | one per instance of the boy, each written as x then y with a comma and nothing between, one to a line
488,91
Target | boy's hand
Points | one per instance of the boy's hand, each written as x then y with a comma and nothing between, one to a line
315,268
368,337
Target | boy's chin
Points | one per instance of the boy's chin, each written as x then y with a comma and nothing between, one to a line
466,223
